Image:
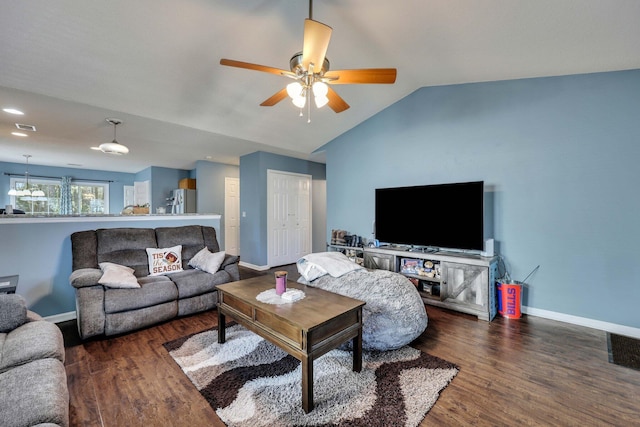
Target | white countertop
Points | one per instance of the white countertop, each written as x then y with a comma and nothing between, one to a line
24,218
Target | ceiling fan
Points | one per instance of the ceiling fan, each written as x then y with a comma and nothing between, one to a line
310,70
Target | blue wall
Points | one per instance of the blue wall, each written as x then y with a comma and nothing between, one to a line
253,199
116,188
163,182
559,154
211,192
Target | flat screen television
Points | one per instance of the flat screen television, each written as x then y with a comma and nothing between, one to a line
448,216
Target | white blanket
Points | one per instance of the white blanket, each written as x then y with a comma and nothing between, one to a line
316,265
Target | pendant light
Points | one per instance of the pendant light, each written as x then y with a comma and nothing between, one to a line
26,193
114,147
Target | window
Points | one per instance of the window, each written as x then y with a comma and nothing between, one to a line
86,197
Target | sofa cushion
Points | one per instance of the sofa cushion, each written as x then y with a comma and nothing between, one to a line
117,276
118,323
84,245
153,290
126,246
39,396
164,260
189,236
31,341
207,261
192,282
13,312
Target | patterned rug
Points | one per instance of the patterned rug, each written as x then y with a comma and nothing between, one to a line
251,382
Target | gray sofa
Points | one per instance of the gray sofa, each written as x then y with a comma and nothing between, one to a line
33,381
102,310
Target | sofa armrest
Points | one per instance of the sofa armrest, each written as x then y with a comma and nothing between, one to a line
228,260
84,277
13,312
230,265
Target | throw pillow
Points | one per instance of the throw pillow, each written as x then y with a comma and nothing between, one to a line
208,261
117,276
164,260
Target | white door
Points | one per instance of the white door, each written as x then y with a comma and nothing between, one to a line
288,217
129,199
232,215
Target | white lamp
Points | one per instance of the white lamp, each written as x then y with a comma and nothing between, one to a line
114,147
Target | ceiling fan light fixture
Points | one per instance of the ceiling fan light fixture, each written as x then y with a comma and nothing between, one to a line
321,101
113,147
320,89
294,90
299,101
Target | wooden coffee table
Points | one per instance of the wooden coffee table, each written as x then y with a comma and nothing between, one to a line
306,329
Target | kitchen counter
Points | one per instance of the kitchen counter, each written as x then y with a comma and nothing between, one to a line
25,218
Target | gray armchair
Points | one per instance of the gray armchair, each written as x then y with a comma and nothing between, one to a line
31,368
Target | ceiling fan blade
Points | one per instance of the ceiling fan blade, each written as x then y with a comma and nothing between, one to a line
362,76
279,96
315,44
336,103
256,67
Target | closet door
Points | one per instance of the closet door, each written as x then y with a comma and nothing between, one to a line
288,217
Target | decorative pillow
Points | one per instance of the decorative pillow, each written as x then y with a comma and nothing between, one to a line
164,260
208,261
117,276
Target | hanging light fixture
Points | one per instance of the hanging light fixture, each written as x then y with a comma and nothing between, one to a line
114,147
26,193
299,93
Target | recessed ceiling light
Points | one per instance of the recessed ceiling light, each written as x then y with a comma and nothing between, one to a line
208,157
13,111
19,134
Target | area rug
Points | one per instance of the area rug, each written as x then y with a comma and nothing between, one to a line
624,351
251,382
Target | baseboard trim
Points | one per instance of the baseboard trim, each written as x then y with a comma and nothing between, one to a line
583,321
62,317
254,267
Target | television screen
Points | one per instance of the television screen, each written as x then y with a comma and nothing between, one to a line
441,216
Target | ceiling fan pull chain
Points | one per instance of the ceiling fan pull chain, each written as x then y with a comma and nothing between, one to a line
308,107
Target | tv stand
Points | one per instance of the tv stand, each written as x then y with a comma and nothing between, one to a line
457,281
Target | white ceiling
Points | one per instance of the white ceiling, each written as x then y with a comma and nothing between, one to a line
154,64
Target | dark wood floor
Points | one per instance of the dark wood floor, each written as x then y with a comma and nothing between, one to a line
529,371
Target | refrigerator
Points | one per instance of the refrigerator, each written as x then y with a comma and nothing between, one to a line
182,201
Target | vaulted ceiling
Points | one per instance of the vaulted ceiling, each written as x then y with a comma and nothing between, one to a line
155,65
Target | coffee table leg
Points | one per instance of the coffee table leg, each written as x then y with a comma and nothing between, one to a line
357,352
307,384
222,328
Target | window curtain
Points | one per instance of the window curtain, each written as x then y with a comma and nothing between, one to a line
66,207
